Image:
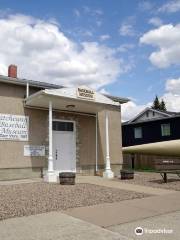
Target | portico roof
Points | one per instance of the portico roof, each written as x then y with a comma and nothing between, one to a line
67,99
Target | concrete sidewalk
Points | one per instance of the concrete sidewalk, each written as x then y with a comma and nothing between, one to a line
108,214
168,221
120,185
51,226
120,218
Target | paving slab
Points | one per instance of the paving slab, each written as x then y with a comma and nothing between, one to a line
120,185
106,215
150,226
159,204
54,225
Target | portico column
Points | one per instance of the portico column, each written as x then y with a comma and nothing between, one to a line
107,173
50,158
50,175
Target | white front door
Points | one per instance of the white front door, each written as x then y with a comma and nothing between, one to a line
64,146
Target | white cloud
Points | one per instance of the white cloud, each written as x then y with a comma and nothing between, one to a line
167,39
42,52
156,21
126,29
131,109
145,5
77,13
125,47
173,86
172,101
170,7
104,91
98,12
172,94
86,33
104,37
171,97
92,11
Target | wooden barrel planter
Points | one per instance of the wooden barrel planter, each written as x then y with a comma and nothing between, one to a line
127,174
67,178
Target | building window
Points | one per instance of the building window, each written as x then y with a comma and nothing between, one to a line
165,129
138,132
153,113
63,126
147,114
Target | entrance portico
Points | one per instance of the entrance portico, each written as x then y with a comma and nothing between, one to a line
80,100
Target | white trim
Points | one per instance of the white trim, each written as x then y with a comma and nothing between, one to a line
74,132
107,173
101,99
50,176
148,109
62,111
163,113
96,142
71,93
50,158
27,90
107,141
63,120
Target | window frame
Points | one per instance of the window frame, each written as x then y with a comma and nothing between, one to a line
141,133
65,121
165,132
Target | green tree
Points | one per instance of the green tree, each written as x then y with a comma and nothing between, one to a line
163,106
156,103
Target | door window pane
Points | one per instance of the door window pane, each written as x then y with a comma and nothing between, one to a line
63,126
165,129
138,132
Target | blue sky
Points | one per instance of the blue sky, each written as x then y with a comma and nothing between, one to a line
117,31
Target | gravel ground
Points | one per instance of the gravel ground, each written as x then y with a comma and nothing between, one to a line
154,180
33,198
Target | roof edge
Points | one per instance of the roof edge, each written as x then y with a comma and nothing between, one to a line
40,85
117,99
148,109
150,120
32,83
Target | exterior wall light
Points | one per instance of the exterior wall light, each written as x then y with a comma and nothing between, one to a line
70,106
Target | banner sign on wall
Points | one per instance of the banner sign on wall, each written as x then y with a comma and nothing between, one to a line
34,151
14,127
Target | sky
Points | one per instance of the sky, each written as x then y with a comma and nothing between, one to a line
127,48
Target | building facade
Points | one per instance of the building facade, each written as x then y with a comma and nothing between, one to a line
151,134
46,129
